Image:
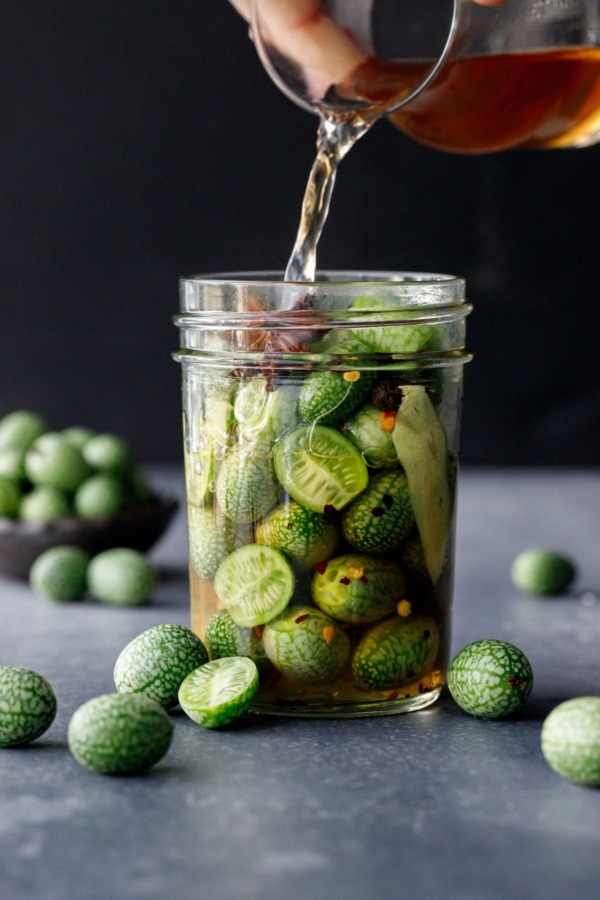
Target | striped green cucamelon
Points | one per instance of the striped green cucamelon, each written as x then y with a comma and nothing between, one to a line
396,652
490,679
304,536
116,734
224,638
307,646
571,740
328,397
246,485
211,539
155,662
358,588
382,516
367,429
27,706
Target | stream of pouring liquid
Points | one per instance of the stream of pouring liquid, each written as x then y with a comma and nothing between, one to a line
336,136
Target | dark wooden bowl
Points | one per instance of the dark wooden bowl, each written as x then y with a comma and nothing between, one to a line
22,542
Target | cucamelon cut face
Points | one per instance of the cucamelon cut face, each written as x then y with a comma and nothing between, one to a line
255,583
220,691
320,468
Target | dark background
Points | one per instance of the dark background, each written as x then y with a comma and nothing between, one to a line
140,140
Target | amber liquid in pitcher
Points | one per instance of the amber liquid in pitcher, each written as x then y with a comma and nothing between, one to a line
481,104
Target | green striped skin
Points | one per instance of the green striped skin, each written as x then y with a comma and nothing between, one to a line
219,692
246,486
121,576
365,431
320,468
118,734
571,740
327,397
490,679
255,583
344,593
542,572
396,652
27,706
382,516
404,338
307,646
304,536
156,662
224,638
211,540
60,573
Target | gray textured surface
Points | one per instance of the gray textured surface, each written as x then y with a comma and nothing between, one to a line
430,804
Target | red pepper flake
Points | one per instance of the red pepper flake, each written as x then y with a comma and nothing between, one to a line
393,695
301,618
329,634
258,631
345,580
377,511
387,420
364,579
387,501
329,511
344,626
514,682
321,567
404,608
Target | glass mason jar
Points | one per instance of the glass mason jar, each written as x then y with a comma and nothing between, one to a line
321,429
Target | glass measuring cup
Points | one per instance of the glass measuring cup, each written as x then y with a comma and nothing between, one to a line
459,76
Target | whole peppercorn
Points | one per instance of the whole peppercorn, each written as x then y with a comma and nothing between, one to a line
387,396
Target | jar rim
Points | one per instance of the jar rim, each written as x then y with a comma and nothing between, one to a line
334,279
